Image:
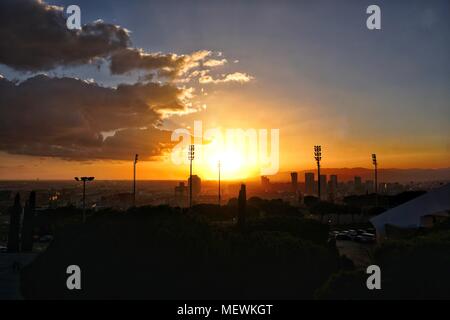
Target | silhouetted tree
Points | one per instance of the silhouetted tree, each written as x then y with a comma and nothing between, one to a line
14,225
28,223
310,201
242,206
143,249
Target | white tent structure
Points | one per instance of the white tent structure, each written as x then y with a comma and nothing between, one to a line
412,214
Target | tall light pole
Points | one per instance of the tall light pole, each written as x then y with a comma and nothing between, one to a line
84,179
375,165
134,179
318,157
191,156
219,181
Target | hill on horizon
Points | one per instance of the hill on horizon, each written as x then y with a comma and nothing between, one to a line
384,175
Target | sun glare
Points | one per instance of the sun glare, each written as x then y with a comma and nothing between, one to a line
234,163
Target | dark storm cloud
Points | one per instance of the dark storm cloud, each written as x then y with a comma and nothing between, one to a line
133,59
79,120
34,36
167,65
75,119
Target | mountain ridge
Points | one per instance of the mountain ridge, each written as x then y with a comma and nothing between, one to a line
384,174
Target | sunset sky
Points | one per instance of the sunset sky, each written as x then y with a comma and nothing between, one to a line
84,103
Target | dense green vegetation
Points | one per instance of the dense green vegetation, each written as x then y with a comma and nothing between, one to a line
163,252
173,253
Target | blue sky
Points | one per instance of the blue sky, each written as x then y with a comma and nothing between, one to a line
291,45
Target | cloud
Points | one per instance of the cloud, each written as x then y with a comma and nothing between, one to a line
232,77
214,63
77,119
65,118
166,65
34,37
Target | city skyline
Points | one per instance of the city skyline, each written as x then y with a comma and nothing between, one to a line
359,92
224,156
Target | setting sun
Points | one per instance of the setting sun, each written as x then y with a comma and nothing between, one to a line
237,161
233,165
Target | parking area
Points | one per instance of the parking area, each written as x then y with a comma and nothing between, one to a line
355,235
356,244
359,253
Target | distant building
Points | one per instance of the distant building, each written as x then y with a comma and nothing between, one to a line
423,211
358,185
333,187
181,194
309,183
369,186
382,187
265,183
294,181
117,200
333,183
394,188
196,185
181,188
323,186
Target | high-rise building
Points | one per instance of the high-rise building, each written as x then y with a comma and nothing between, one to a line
309,183
196,185
333,184
294,181
323,186
358,185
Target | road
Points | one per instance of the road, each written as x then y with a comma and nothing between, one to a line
359,253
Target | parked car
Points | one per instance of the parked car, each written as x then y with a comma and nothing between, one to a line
333,234
369,235
46,238
343,236
364,239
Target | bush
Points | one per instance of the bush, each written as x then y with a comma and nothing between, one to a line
164,253
416,268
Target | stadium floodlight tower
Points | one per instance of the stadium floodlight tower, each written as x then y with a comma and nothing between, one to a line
191,156
375,165
318,157
134,179
84,180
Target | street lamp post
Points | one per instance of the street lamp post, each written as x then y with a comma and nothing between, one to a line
375,165
318,157
134,179
84,180
191,156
